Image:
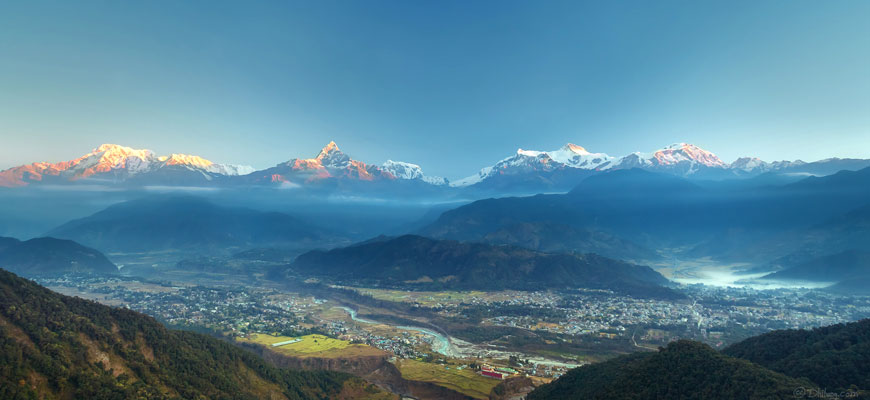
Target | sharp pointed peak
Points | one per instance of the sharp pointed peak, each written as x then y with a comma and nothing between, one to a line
330,147
331,156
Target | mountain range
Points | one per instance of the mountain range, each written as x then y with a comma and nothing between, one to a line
562,169
332,164
625,214
527,171
634,209
120,165
639,214
110,163
188,223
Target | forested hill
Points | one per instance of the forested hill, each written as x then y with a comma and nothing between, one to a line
50,256
59,347
682,370
447,264
836,357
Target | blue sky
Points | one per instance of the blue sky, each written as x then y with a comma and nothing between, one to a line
452,86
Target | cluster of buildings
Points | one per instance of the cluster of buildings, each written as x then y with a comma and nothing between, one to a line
716,315
712,314
497,372
403,345
229,311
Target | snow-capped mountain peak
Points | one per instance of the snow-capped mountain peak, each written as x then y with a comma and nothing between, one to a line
186,159
404,170
578,157
106,158
330,147
330,162
476,178
681,152
198,163
116,163
683,158
114,151
569,154
526,161
332,157
529,153
748,164
575,149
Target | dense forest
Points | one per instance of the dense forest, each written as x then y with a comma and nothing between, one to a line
833,360
682,370
835,357
54,346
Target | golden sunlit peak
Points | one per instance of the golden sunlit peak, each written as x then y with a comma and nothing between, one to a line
575,148
113,153
186,159
109,146
328,151
331,146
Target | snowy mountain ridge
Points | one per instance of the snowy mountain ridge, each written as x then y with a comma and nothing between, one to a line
681,159
563,167
116,163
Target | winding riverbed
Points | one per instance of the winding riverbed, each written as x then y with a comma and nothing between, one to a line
441,344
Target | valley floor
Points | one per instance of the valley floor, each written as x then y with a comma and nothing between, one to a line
465,341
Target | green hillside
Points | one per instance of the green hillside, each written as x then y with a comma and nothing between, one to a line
59,347
682,370
836,357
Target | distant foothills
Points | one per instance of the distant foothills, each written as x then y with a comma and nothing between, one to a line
785,221
331,169
813,230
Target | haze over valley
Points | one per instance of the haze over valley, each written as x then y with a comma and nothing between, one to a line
434,200
478,279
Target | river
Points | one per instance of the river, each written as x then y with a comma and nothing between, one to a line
440,345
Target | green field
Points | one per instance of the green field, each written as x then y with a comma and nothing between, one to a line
313,346
464,381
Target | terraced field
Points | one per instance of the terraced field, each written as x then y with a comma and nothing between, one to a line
464,380
313,346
